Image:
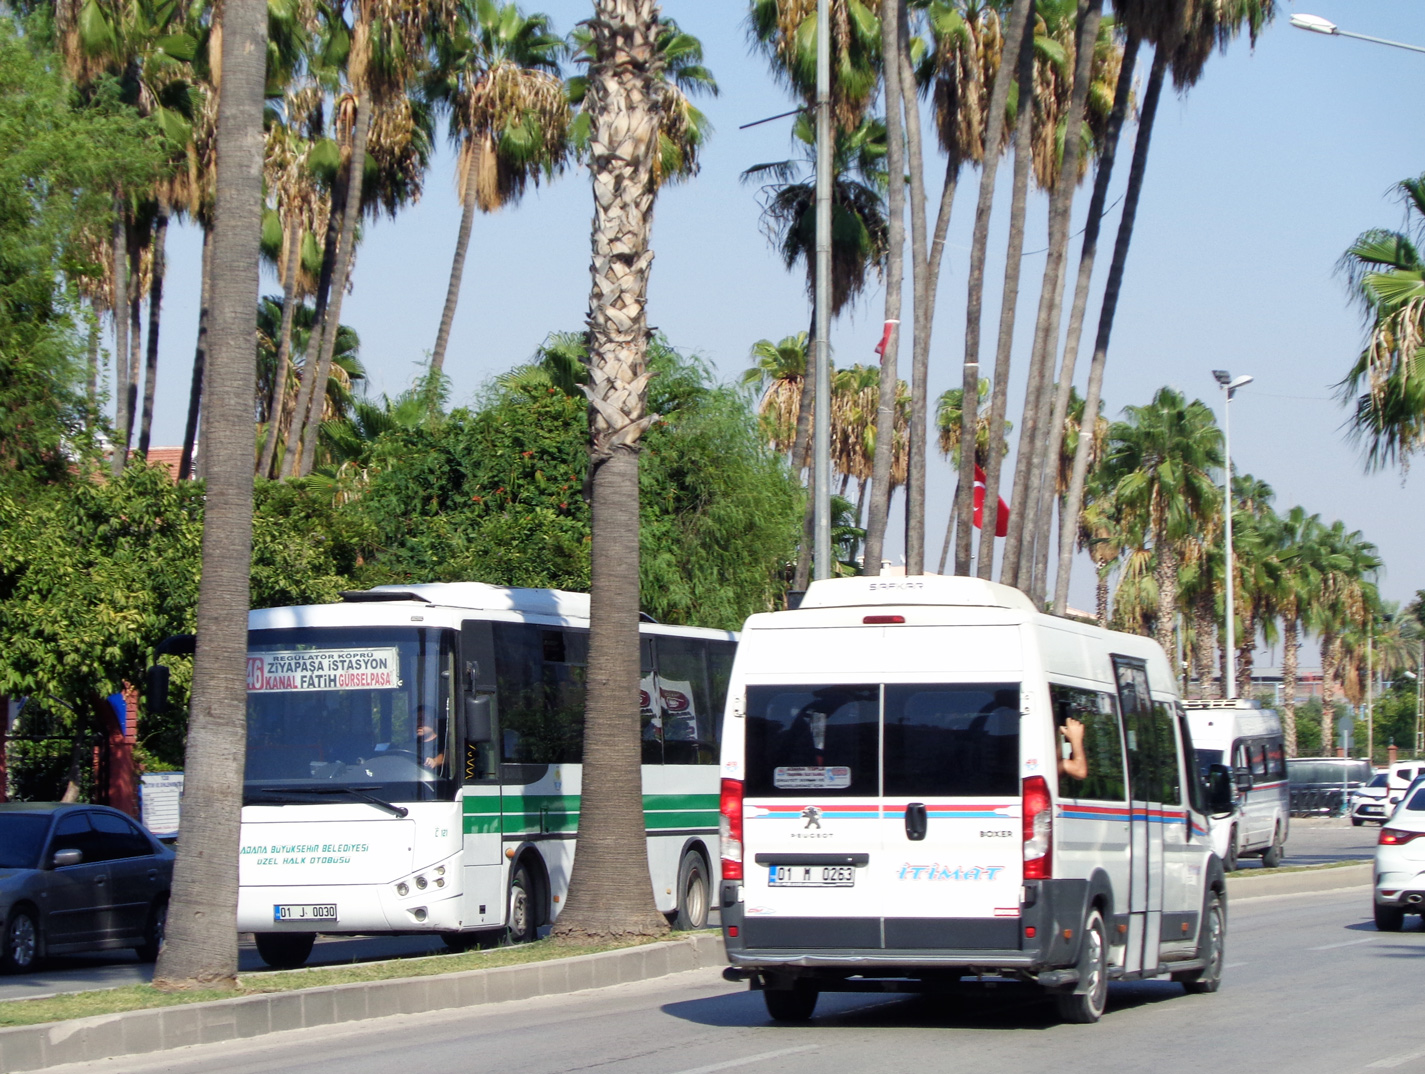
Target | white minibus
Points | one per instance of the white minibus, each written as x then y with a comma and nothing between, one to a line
1248,738
925,779
413,764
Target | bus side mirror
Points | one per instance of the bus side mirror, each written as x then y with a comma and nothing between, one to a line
1220,789
479,724
1243,778
156,692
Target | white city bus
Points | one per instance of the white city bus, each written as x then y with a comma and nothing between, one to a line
926,779
413,764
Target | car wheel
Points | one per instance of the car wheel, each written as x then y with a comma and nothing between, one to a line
1211,949
693,892
153,932
1230,865
523,922
1389,918
1273,855
790,1004
20,950
285,950
1086,1003
1356,822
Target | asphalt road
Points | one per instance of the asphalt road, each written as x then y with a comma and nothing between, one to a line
1312,841
1292,1000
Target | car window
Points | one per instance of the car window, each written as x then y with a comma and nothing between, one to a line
22,836
73,833
118,838
1417,801
1380,779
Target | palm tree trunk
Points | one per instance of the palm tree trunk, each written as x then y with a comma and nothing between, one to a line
1037,506
1205,627
949,534
201,948
131,407
610,893
121,335
457,268
1075,499
200,359
1087,253
277,398
1166,574
91,392
1328,691
895,268
801,575
923,302
1291,643
155,312
1246,653
1101,598
1009,301
291,452
331,323
999,95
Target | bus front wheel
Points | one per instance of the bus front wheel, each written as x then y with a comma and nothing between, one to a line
285,950
523,927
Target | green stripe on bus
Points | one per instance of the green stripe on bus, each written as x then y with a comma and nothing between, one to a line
514,814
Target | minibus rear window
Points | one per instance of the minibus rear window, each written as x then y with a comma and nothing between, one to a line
819,740
956,741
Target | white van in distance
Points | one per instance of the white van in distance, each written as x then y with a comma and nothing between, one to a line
925,779
1248,738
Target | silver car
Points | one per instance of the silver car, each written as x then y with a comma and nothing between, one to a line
78,878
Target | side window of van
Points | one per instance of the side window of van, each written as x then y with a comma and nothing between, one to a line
1276,759
1170,786
1259,760
1103,742
1148,732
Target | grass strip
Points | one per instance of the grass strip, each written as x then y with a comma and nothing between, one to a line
57,1008
1258,870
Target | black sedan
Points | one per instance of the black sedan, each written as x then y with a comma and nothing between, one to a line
78,878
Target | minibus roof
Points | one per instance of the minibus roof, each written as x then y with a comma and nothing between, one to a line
926,589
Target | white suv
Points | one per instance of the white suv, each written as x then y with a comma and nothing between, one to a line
1369,802
1400,862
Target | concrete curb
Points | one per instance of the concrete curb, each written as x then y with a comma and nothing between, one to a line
1270,883
108,1036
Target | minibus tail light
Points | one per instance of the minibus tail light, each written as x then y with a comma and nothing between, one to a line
882,620
1038,830
730,828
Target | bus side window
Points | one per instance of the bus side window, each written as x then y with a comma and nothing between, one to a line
720,657
650,719
683,701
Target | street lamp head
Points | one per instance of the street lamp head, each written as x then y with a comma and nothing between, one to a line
1240,382
1315,23
1222,376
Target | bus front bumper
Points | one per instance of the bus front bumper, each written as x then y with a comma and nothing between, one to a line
358,908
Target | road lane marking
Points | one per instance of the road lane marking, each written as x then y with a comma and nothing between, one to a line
1235,965
746,1060
1348,943
1396,1060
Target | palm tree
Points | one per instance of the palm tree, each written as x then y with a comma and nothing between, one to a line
623,103
948,418
1300,553
1184,33
779,370
202,948
785,31
1019,20
1103,535
497,72
1386,278
1159,462
1346,599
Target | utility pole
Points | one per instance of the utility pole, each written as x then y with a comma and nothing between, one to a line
821,414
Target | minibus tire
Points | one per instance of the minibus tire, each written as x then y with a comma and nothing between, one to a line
1211,949
1273,855
285,950
694,893
1087,1006
1389,918
1230,865
790,1004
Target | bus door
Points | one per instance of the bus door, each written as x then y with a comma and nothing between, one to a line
950,830
478,752
1145,888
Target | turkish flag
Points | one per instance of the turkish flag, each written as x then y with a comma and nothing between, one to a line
886,337
1001,516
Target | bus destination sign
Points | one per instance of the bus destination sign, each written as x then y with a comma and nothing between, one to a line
290,671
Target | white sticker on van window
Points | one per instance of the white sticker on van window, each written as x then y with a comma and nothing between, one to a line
809,778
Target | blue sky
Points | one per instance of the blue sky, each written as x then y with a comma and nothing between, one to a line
1258,179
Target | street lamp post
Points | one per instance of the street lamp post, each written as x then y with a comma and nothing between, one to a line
1230,385
1317,25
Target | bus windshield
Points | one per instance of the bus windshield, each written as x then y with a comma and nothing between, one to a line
357,713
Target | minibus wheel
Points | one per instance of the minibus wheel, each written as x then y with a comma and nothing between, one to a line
285,950
790,1004
693,892
1212,949
1273,855
1086,1003
1230,865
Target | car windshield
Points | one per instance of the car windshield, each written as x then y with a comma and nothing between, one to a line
341,710
1380,779
22,838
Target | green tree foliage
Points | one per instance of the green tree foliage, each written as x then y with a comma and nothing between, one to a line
59,163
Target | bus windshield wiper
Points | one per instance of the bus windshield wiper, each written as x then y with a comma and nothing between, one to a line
365,796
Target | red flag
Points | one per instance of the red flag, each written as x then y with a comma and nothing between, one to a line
886,338
1001,516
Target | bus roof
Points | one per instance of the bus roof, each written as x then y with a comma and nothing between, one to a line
480,596
927,589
